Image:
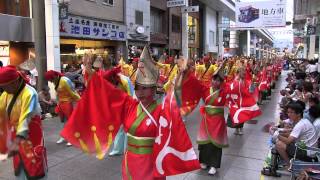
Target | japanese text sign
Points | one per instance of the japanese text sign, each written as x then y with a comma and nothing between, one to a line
175,3
76,26
261,14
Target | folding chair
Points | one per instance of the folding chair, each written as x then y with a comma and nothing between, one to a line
298,166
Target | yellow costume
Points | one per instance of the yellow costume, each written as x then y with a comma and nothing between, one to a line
66,91
128,70
169,73
205,75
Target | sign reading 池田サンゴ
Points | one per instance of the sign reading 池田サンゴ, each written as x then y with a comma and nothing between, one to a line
77,26
261,14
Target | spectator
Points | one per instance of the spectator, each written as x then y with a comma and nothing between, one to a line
47,104
28,67
303,131
314,112
312,67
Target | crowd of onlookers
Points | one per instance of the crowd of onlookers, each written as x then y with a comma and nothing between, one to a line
299,123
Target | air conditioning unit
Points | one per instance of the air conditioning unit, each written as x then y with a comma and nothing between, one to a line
315,20
312,20
309,21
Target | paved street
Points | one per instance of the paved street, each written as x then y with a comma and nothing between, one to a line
243,160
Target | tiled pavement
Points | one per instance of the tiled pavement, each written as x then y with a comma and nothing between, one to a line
243,160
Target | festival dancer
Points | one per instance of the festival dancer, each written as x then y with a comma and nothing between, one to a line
21,135
205,71
241,101
130,70
212,134
66,96
154,150
124,83
168,71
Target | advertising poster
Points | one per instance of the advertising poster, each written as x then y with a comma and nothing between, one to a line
261,14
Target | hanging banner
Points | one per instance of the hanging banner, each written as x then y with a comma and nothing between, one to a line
77,26
260,14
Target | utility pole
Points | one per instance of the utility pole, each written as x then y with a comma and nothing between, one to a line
185,46
39,31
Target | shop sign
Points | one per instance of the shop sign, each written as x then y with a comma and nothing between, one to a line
76,26
4,55
63,11
176,3
190,9
261,14
4,51
311,30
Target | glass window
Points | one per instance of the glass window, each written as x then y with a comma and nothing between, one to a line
17,8
139,18
176,24
211,38
156,20
193,30
107,2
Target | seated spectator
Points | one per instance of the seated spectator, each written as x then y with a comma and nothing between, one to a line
47,104
307,91
314,112
302,132
283,106
294,93
312,68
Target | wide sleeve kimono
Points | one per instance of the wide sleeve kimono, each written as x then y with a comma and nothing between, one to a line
241,101
24,121
97,118
171,78
66,91
212,126
205,74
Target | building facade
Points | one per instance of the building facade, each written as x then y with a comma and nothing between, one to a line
256,43
138,23
96,26
16,37
306,28
159,27
195,29
175,30
213,30
121,27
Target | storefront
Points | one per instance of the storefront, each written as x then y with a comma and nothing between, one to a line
16,38
80,35
194,36
4,52
15,53
158,44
